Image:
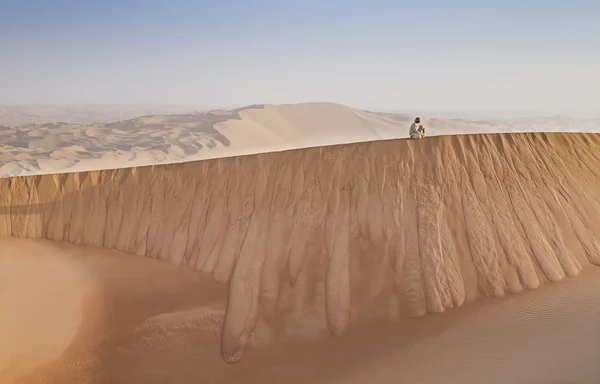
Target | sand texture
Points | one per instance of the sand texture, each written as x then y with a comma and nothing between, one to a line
56,146
338,236
76,314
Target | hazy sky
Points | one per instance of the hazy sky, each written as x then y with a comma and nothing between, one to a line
450,55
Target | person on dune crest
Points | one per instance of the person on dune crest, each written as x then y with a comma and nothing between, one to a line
416,129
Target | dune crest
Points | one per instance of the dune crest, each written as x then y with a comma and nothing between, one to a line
61,147
349,232
166,139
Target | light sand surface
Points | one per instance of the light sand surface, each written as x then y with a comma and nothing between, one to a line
56,147
99,316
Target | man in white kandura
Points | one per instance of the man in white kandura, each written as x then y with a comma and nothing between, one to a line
416,129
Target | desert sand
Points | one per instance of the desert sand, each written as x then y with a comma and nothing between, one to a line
452,259
100,316
51,146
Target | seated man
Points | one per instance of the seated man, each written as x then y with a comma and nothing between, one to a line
416,129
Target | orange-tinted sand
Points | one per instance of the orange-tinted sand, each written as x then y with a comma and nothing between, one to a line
335,264
141,321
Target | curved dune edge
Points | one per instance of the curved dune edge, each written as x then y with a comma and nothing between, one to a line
391,228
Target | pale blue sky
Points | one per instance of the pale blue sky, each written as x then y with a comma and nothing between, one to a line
535,56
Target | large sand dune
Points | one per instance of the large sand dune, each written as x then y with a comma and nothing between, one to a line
321,240
158,139
58,147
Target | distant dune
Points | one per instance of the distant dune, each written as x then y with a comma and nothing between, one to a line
159,139
340,235
56,147
42,114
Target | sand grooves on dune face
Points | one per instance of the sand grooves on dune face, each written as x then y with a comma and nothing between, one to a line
341,234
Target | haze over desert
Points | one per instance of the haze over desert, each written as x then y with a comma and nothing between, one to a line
326,192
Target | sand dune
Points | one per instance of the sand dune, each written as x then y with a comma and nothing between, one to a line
339,252
66,311
42,114
143,321
160,139
316,241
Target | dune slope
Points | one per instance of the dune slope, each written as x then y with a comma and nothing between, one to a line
164,139
344,233
175,138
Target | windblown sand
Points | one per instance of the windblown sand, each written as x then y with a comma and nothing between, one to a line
87,315
455,258
164,139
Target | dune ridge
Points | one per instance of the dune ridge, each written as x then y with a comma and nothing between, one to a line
344,233
165,139
59,147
